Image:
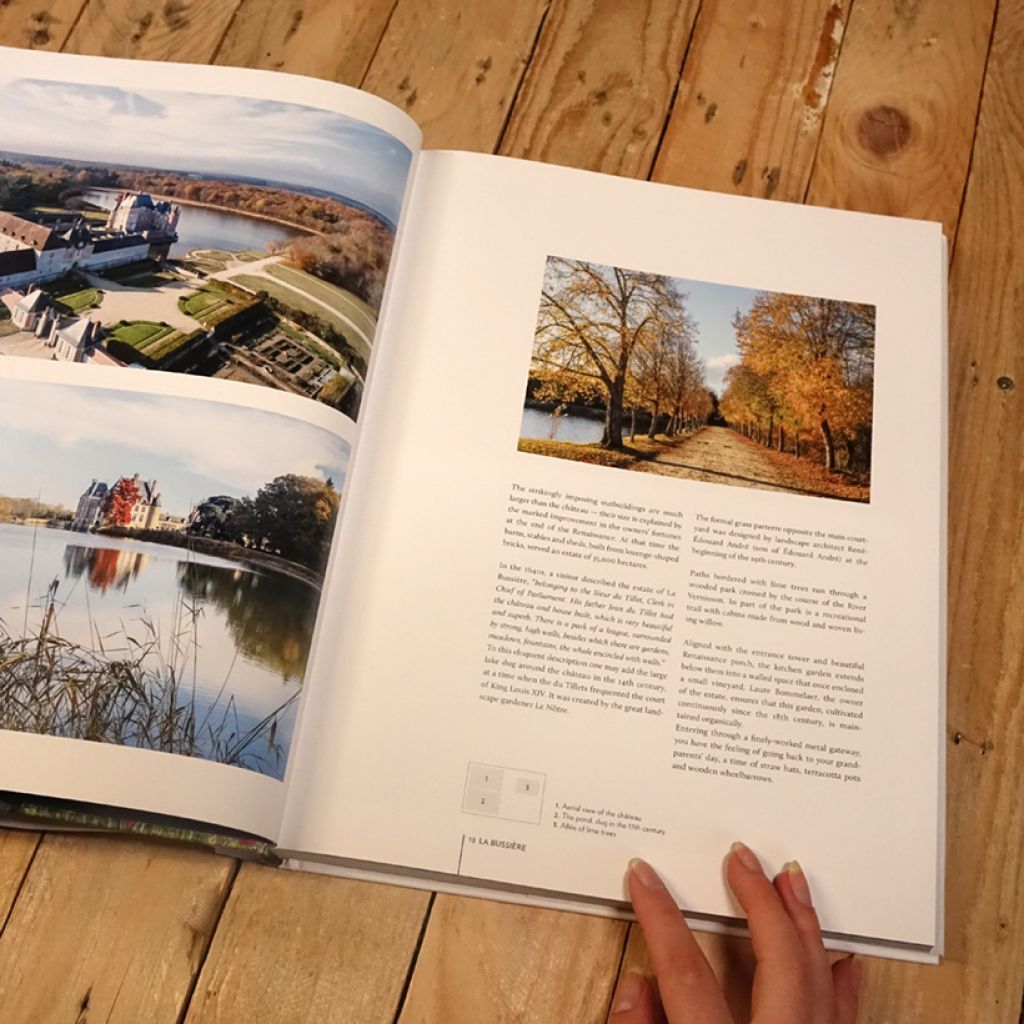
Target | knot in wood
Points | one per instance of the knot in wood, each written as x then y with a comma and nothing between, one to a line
883,130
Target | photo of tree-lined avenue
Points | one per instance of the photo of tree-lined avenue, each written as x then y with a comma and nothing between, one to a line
702,381
211,235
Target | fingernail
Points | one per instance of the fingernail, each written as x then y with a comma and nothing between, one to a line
745,855
631,991
645,874
798,882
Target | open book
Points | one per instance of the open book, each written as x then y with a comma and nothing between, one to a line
461,520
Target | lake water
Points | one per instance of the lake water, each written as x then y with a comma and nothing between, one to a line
239,638
204,228
569,427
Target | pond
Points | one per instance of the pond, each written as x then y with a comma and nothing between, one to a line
569,427
202,227
233,641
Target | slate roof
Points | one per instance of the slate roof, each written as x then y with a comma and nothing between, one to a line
17,261
122,242
34,236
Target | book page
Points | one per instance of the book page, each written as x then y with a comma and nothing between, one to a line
651,552
192,265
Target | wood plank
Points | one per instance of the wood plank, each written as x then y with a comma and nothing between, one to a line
455,66
982,977
890,988
498,962
334,39
110,930
601,83
314,948
16,851
752,96
38,26
900,123
181,30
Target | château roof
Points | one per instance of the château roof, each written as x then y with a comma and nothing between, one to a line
35,300
77,330
34,236
119,242
17,261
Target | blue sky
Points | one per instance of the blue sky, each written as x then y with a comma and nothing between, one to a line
713,306
56,439
211,134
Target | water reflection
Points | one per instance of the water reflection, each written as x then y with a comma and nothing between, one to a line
217,651
270,618
103,568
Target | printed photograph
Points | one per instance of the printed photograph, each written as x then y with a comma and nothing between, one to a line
702,381
211,235
161,565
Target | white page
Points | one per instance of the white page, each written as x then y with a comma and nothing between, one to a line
384,776
280,137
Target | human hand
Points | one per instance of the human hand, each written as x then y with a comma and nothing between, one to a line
793,983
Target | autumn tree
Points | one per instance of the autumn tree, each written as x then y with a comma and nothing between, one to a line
816,359
119,502
592,323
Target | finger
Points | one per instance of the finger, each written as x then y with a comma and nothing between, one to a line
636,1002
688,986
791,885
783,967
846,975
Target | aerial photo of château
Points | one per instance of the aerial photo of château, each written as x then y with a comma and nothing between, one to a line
35,252
116,277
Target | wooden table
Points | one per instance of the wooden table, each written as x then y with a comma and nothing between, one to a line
909,107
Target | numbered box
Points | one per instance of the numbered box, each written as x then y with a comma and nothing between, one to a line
501,792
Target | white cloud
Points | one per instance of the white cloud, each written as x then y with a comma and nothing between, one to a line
206,133
723,362
240,447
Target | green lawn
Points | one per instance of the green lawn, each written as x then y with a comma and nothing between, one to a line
77,301
293,300
141,334
212,306
344,302
152,341
200,302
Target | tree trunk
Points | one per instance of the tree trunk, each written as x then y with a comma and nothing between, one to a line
830,448
613,417
632,423
782,438
654,422
771,429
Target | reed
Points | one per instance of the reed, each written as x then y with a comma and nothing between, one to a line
129,688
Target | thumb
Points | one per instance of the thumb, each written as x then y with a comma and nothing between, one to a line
636,1002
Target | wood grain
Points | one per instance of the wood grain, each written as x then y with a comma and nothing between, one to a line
16,851
455,66
181,30
333,39
314,948
600,84
981,979
38,26
111,930
501,963
900,122
752,97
